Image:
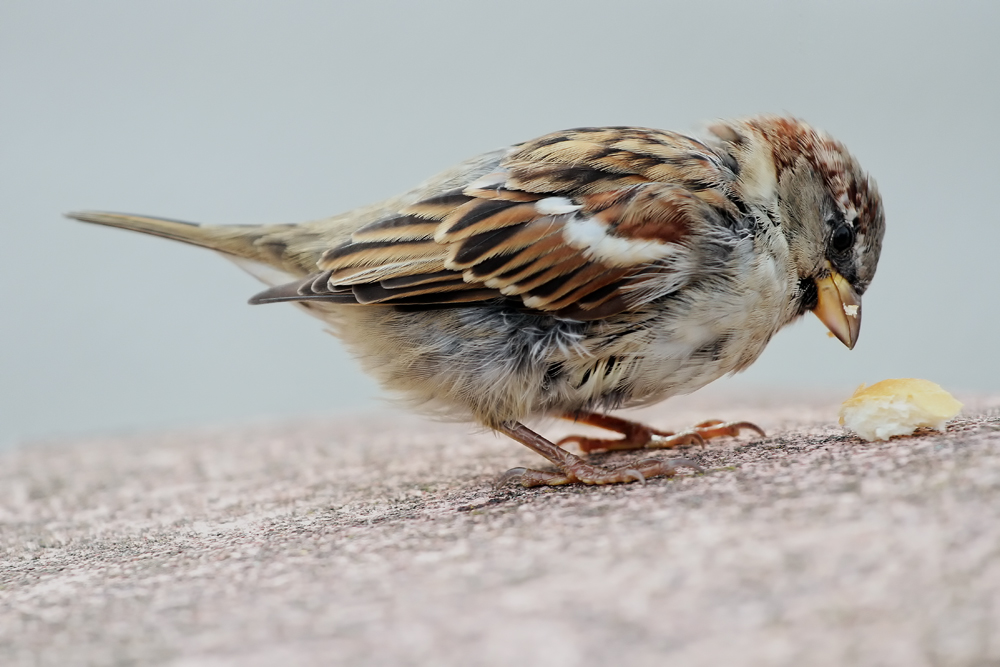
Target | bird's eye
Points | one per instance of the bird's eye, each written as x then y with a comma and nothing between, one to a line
843,238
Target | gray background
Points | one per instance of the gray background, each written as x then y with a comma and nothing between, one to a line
237,112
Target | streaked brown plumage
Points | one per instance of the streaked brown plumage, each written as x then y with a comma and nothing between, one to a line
579,272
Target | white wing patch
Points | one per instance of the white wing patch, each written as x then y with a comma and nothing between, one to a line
591,236
556,206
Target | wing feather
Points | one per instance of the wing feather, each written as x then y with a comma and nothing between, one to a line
578,223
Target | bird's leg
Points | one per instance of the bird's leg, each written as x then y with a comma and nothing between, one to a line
574,469
640,436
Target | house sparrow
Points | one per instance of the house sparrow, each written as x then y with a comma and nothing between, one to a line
580,272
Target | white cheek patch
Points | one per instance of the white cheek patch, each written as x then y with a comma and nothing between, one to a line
591,236
769,270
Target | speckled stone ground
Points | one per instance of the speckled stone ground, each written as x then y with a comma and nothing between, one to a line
380,541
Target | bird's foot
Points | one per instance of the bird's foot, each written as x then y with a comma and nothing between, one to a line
571,468
640,436
584,473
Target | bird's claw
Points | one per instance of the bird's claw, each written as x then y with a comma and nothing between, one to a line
638,471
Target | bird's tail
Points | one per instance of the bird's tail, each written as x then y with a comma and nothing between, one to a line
271,253
239,240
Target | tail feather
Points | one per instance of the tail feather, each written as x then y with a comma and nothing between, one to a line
239,240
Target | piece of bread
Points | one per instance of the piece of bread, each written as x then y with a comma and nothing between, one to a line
897,407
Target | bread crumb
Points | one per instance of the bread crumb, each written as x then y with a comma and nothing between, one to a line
897,407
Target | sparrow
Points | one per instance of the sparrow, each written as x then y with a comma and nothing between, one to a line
578,273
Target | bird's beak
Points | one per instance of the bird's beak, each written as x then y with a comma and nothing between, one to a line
839,308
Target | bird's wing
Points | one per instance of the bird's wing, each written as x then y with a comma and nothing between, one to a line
582,223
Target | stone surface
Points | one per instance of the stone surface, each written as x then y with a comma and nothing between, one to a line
380,540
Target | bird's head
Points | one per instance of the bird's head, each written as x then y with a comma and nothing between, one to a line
829,211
